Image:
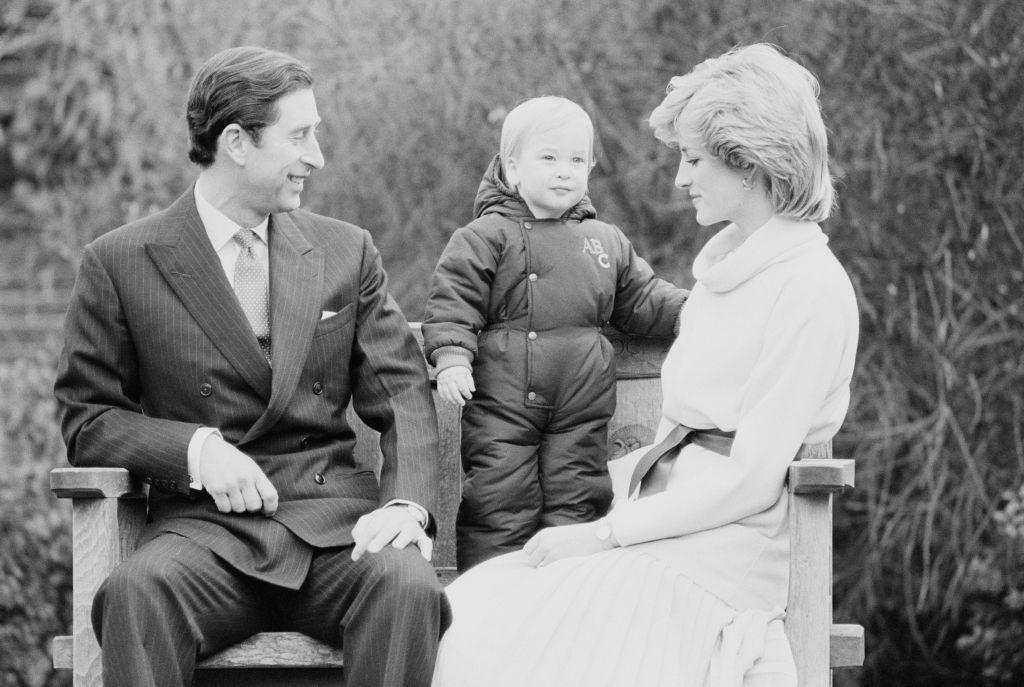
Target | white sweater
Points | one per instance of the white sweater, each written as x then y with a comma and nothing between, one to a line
766,349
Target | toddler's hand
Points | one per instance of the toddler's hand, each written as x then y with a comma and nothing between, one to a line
455,384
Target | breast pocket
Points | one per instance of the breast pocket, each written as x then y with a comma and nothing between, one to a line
332,323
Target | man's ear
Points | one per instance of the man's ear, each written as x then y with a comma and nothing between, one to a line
234,142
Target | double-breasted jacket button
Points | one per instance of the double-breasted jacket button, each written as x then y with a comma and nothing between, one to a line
531,336
319,478
205,389
532,396
528,225
532,276
318,388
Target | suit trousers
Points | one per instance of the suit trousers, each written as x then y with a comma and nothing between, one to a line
173,601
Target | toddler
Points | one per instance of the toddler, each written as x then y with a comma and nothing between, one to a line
514,327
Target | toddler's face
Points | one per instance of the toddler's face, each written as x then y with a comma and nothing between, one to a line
551,169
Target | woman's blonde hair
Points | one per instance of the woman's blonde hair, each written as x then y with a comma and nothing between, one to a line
537,115
757,110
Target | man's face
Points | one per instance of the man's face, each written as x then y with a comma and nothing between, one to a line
275,170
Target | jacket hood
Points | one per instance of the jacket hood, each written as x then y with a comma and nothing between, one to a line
495,196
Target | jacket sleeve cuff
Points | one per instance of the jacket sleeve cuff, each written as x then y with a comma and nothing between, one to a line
679,317
450,356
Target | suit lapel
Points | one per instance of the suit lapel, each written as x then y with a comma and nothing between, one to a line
193,270
296,280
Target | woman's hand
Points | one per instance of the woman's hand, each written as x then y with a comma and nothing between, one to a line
555,543
455,384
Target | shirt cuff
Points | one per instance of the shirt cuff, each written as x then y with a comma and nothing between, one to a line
421,512
195,452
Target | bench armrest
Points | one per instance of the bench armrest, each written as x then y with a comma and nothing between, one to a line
95,483
821,475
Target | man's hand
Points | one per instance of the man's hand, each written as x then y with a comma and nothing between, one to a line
455,384
554,543
234,480
393,525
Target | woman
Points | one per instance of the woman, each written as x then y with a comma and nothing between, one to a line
684,582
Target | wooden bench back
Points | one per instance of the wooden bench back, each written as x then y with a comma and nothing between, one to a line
638,410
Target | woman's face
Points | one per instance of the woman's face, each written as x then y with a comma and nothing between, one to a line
716,190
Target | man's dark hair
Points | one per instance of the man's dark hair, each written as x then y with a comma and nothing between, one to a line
240,86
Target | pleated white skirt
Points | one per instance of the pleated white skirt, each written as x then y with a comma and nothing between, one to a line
620,617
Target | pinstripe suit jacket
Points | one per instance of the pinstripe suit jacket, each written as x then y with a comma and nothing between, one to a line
156,346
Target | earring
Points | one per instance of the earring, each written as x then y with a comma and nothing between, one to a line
746,184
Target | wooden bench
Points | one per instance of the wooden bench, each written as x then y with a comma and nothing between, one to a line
109,508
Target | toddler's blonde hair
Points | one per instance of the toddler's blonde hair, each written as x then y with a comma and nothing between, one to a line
538,115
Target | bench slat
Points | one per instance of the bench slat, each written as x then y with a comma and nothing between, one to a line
277,650
294,650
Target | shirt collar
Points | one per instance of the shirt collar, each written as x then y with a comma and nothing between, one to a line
219,227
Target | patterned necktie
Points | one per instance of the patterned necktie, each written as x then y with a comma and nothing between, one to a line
251,289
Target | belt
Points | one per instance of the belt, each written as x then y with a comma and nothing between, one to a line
651,473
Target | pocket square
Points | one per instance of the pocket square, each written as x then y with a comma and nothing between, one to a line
327,313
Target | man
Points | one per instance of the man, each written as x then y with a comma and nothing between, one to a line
212,350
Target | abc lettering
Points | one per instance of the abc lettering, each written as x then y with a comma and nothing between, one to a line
593,247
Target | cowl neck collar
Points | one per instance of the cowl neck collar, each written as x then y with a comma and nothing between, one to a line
726,261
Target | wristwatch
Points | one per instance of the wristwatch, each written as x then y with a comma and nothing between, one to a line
604,533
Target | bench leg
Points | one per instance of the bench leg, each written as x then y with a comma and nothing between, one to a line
105,531
809,616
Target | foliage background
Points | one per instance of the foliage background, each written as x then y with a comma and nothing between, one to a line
924,106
